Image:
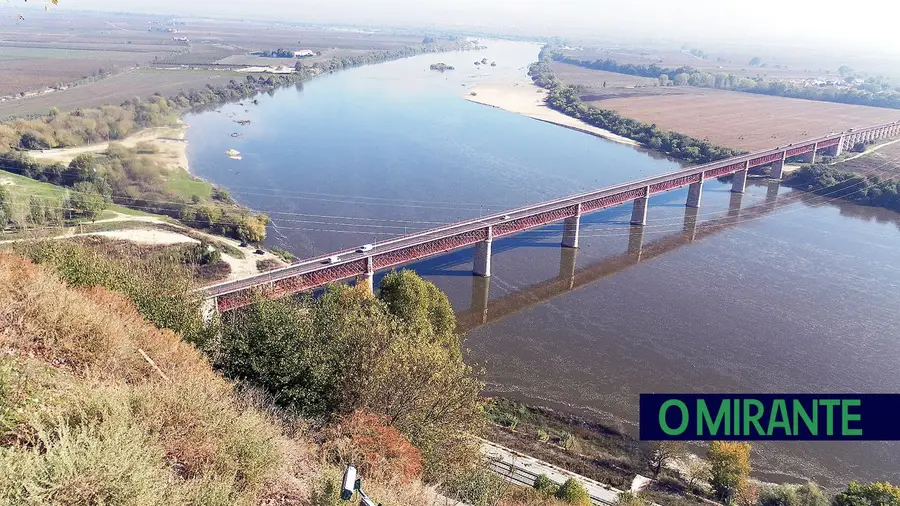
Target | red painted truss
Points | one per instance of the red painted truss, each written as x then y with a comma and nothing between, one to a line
674,183
535,220
429,248
613,200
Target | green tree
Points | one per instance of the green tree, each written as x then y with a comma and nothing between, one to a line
870,494
346,350
756,61
81,168
86,200
729,466
36,213
418,302
573,492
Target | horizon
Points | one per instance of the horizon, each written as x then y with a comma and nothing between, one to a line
687,22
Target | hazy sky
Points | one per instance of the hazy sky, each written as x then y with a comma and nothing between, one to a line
872,24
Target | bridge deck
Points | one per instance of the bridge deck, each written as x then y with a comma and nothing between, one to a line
311,273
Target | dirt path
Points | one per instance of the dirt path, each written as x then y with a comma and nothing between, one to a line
169,146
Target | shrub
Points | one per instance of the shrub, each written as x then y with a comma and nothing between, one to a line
344,351
543,436
545,485
869,494
267,265
477,487
573,492
729,466
630,499
378,450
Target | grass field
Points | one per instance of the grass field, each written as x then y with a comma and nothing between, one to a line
186,185
20,185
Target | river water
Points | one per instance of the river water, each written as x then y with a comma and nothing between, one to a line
771,291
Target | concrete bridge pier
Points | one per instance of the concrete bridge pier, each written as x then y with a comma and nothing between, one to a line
367,279
835,150
739,180
734,205
483,255
811,156
567,258
639,211
636,242
690,222
695,191
209,309
571,227
777,169
481,288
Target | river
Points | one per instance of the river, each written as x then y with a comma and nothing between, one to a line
773,291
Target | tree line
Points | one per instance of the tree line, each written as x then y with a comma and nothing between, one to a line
874,93
566,99
864,190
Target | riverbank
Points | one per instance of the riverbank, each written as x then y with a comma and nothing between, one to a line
529,100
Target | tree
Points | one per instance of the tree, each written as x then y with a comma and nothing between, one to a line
346,350
418,303
252,229
791,495
664,80
695,472
729,466
573,492
845,71
660,453
870,494
36,214
81,168
86,200
756,61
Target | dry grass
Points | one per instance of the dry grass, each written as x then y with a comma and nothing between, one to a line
85,418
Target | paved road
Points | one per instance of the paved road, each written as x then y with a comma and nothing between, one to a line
521,469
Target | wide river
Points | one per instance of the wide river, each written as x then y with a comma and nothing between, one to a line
770,293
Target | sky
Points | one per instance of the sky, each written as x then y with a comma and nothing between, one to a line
824,23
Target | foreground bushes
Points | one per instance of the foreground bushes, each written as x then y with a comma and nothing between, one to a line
87,419
347,350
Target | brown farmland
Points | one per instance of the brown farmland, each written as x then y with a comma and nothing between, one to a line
745,120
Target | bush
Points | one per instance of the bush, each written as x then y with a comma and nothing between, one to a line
869,494
477,487
163,293
345,351
267,265
573,492
630,499
378,450
545,485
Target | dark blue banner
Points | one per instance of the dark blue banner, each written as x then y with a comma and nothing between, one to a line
775,417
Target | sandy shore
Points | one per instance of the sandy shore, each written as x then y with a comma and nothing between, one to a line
168,142
528,100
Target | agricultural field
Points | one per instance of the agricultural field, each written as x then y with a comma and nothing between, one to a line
116,89
745,120
137,54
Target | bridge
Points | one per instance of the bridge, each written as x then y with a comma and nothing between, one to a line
362,265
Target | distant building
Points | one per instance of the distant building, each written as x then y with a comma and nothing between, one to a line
304,53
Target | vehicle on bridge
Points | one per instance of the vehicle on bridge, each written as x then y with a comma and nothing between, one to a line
364,248
332,260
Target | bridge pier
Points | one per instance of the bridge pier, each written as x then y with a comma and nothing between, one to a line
639,211
636,242
481,288
777,168
811,156
695,191
567,258
367,279
483,255
739,180
209,309
571,227
690,222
